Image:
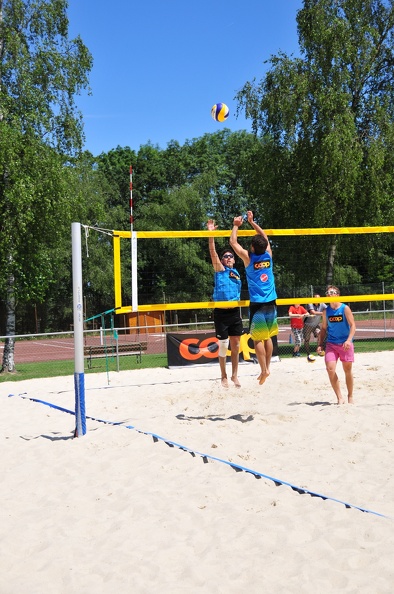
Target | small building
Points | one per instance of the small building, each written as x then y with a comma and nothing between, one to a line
149,322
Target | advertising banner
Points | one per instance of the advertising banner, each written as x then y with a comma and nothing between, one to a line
200,348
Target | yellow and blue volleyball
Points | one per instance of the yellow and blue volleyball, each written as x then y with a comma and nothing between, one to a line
220,112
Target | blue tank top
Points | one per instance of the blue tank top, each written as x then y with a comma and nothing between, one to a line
260,276
337,324
227,285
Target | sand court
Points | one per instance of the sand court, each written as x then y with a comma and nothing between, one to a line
123,507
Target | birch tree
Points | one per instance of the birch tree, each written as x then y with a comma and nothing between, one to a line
41,131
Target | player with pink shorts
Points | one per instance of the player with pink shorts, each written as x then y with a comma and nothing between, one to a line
337,351
339,326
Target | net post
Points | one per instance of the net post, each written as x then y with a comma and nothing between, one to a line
79,376
131,199
134,285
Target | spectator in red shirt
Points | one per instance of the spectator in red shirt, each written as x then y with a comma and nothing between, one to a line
297,313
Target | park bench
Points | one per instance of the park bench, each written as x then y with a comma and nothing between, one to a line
124,348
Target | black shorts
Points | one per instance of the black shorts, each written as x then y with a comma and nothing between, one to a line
228,322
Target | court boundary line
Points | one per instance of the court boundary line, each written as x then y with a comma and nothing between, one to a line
207,457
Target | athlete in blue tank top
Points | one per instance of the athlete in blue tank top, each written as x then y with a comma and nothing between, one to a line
227,283
262,292
260,275
227,320
339,326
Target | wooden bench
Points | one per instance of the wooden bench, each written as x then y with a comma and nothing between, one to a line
124,348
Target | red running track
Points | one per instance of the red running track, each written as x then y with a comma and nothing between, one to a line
60,349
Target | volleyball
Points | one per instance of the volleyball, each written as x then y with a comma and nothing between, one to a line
311,358
321,353
220,112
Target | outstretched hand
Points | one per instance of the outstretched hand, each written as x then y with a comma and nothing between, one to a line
238,221
211,225
249,214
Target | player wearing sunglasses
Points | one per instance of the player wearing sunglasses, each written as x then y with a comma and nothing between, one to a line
339,327
228,322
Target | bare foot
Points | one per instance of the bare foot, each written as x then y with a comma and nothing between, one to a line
350,400
341,401
263,377
235,379
263,374
224,382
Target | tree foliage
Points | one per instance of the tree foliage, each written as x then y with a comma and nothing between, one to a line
41,70
329,116
320,155
178,188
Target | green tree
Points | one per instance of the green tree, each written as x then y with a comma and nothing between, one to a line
328,117
41,70
177,188
115,168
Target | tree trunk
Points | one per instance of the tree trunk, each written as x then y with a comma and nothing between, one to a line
8,365
330,260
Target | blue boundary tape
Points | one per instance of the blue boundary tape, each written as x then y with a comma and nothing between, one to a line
207,457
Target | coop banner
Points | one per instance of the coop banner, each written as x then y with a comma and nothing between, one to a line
197,349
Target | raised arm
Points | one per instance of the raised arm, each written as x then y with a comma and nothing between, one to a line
216,263
259,230
238,249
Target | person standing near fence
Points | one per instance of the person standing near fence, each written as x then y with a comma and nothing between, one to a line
227,320
297,314
339,326
262,292
312,322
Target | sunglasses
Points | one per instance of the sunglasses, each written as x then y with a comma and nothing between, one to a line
227,256
331,293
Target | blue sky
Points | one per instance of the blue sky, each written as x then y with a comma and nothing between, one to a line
160,65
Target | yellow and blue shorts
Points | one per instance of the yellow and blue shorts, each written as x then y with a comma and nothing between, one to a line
263,320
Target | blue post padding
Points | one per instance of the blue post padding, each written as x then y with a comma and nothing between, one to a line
80,413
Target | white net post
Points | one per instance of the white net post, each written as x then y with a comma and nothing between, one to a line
79,375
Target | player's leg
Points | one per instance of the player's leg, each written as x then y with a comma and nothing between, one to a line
331,359
348,369
268,347
223,346
259,333
347,358
263,355
234,346
334,380
221,332
235,330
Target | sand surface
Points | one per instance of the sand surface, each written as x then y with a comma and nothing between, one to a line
123,510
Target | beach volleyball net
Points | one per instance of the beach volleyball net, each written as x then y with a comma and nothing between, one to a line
172,270
172,281
164,280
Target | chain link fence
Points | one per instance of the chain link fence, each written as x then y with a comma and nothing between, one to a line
118,349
